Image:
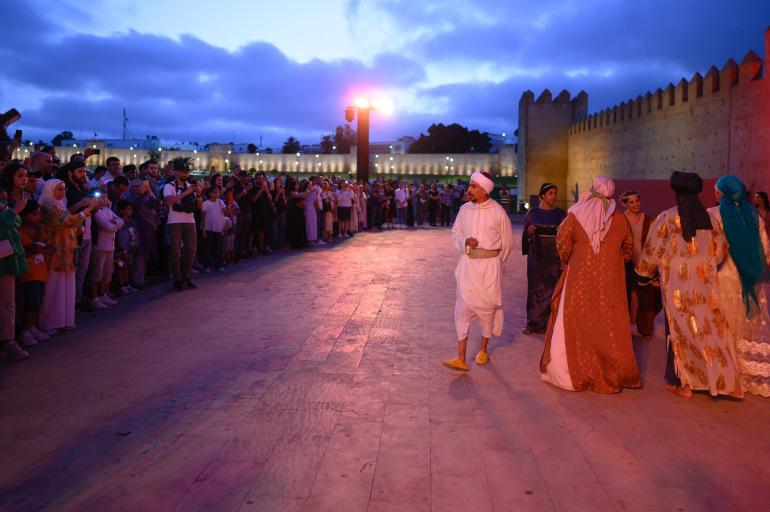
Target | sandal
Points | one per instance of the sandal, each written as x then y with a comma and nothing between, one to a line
455,364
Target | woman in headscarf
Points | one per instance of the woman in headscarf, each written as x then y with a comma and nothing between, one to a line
685,247
60,229
538,243
740,282
588,343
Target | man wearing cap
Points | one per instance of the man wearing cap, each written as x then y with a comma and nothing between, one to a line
483,235
78,199
183,199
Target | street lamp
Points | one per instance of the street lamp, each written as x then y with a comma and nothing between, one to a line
363,106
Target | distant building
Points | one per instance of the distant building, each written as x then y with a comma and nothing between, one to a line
499,140
310,148
399,146
150,143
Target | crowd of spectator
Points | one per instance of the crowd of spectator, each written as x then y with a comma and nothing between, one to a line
75,241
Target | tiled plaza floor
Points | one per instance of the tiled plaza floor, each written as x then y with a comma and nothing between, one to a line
312,381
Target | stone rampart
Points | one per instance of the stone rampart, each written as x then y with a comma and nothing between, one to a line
713,124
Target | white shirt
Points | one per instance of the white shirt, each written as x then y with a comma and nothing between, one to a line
345,198
214,216
175,217
108,223
401,198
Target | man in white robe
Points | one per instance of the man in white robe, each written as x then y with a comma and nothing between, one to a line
482,233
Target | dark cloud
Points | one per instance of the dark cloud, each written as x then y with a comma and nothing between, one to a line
188,89
613,49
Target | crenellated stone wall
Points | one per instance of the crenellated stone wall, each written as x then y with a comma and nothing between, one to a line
544,138
713,124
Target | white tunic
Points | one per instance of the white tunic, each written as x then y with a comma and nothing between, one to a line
479,281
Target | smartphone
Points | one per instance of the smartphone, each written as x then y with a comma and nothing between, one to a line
97,194
17,135
97,151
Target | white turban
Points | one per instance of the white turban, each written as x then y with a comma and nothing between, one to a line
483,182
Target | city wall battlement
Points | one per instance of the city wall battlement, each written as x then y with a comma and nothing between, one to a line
715,82
712,124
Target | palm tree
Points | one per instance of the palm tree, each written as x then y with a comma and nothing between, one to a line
291,145
327,144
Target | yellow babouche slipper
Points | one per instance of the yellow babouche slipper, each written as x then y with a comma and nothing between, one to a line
455,364
482,358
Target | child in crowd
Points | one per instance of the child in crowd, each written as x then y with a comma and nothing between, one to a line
214,215
126,243
106,224
33,281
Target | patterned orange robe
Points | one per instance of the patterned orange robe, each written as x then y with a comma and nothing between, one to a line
600,353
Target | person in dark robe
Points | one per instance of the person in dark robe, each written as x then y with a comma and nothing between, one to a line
390,195
644,302
421,198
410,206
543,265
433,202
295,216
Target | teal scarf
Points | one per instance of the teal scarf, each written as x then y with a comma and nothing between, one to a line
740,220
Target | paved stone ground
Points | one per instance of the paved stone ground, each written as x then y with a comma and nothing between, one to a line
311,381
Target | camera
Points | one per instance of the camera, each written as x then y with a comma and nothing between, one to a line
7,145
185,205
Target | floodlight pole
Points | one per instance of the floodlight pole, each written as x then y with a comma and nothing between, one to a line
362,140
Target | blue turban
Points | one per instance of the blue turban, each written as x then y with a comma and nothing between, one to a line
741,225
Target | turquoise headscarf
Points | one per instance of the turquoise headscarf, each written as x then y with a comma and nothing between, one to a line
741,224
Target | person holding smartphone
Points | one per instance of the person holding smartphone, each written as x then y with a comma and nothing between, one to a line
80,196
182,199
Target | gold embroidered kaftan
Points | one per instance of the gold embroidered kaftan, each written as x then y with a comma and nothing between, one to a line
750,335
703,354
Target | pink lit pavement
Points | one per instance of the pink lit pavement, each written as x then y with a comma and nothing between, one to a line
312,381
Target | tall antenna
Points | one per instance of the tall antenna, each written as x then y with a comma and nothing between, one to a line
260,141
125,125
